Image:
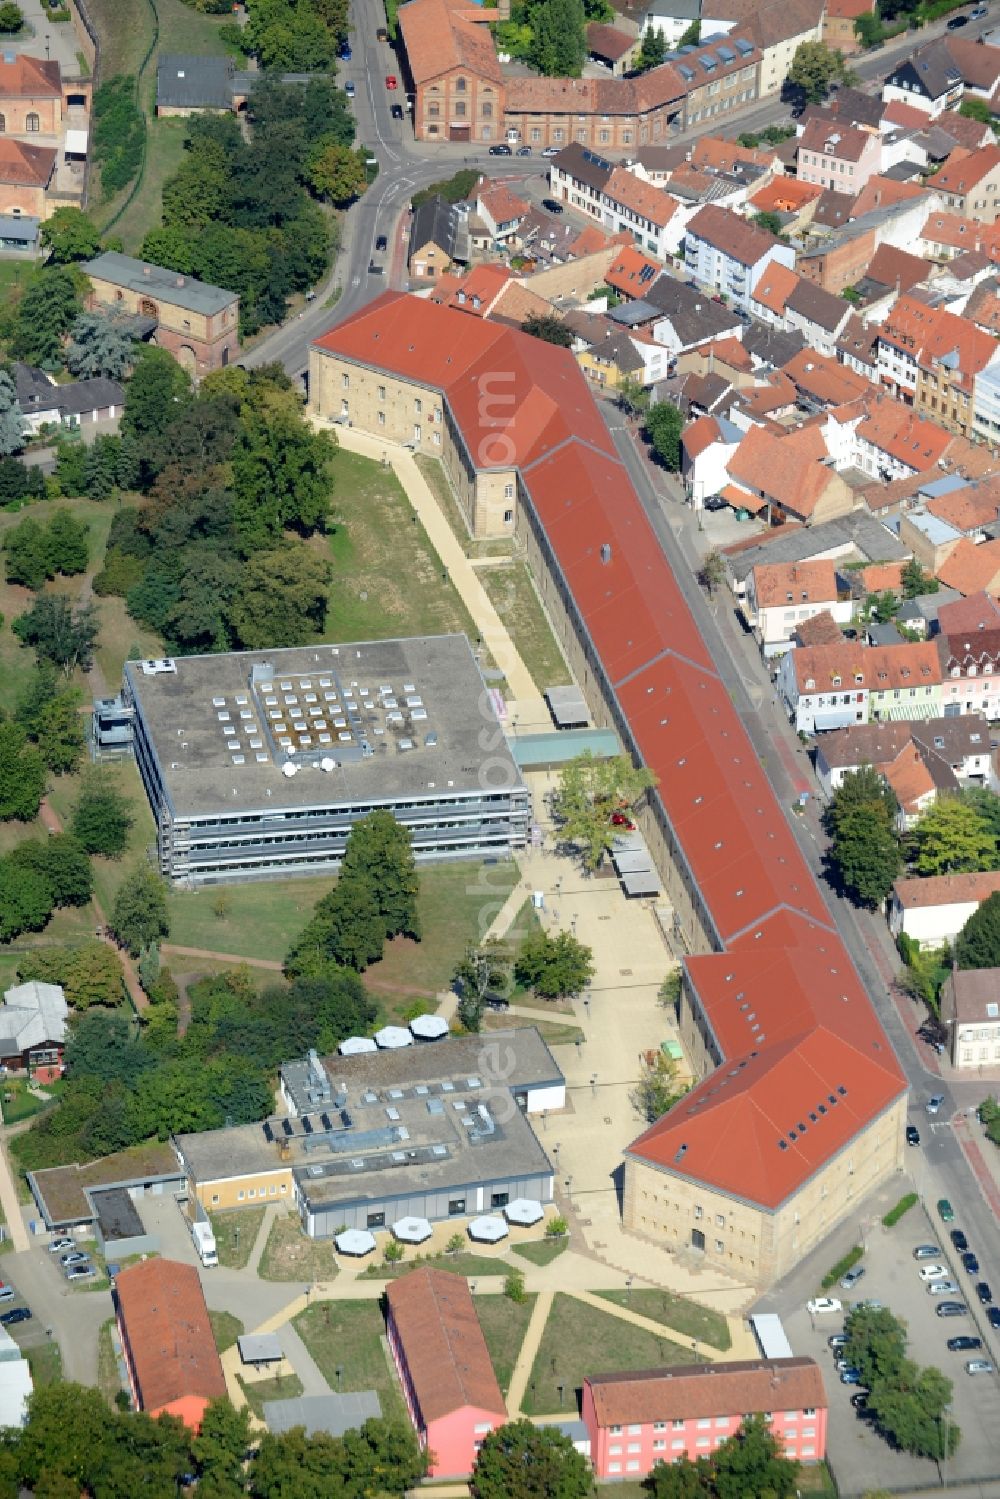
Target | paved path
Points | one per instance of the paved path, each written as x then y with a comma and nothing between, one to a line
221,957
263,1233
302,1361
529,1349
9,1203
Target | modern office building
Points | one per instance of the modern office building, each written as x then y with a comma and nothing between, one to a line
256,764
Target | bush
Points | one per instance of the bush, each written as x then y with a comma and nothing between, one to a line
393,1252
902,1206
556,1228
119,134
513,1287
842,1266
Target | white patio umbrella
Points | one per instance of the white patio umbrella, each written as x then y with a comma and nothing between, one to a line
391,1037
524,1211
412,1230
354,1046
488,1230
429,1027
355,1241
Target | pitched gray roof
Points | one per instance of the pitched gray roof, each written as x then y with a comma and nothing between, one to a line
190,82
868,535
31,1014
157,282
435,222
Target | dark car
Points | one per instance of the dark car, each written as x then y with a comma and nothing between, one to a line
912,1135
397,111
959,1240
993,1315
381,243
970,1262
850,1375
957,21
964,1344
860,1400
16,1314
374,269
984,1293
524,150
345,51
716,502
501,151
552,204
951,1309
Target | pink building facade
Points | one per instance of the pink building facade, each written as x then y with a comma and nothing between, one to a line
444,1366
637,1420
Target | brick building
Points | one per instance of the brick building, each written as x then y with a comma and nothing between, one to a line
167,1340
197,323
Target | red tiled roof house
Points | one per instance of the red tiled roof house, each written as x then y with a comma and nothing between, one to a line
444,1367
660,1415
167,1339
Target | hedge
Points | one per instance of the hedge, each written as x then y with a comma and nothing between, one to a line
902,1206
842,1266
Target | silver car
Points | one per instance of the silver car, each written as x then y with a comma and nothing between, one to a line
942,1288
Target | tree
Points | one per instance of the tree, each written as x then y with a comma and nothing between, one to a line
653,49
989,1117
281,472
45,314
337,172
978,944
380,850
484,973
11,17
865,853
876,1343
157,387
682,1479
12,427
869,30
549,328
596,799
769,221
101,345
90,972
951,838
692,36
657,1091
50,716
814,68
61,863
986,805
60,634
26,554
22,775
751,1463
554,966
523,1461
632,397
915,581
347,928
139,916
67,544
910,1410
558,48
663,431
976,109
712,572
69,235
102,817
281,597
25,902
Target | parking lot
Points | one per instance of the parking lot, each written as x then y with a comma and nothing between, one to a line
859,1456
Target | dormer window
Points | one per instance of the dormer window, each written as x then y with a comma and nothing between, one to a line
836,681
858,679
810,684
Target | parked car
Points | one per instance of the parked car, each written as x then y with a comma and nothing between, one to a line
959,1240
957,21
15,1314
933,1104
979,1366
500,150
80,1272
912,1135
964,1344
58,1246
523,151
979,12
345,51
837,1340
551,150
381,243
850,1280
821,1305
7,1293
984,1293
349,88
850,1376
381,35
716,502
932,1272
860,1400
942,1288
374,269
951,1309
993,1316
391,81
552,204
75,1257
945,1210
970,1263
926,1252
841,1364
396,111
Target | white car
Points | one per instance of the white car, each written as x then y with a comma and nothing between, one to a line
933,1272
820,1305
942,1288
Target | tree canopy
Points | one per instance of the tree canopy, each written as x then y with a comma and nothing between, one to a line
554,966
814,68
522,1461
864,849
978,944
952,838
663,424
751,1462
596,800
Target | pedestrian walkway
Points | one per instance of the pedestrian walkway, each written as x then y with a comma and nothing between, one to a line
263,1234
171,948
8,1201
302,1361
529,1350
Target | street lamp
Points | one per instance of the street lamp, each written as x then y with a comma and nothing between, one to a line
628,1289
340,1376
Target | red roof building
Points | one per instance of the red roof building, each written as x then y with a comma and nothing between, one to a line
170,1355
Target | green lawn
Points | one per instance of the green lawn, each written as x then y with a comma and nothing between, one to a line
440,485
468,1265
347,1335
225,1329
689,1318
18,1103
580,1340
45,1363
387,577
281,1387
542,1251
504,1323
108,1378
235,1235
260,922
164,152
109,873
549,1030
518,605
290,1255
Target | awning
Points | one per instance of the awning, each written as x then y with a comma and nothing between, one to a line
741,500
356,1241
259,1348
488,1230
525,1211
642,882
567,706
429,1027
412,1230
634,864
392,1037
900,711
356,1046
76,143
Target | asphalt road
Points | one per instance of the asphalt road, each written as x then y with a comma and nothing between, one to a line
939,1167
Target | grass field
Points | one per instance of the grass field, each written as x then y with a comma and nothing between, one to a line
225,1329
440,485
347,1335
688,1318
109,873
290,1255
549,1030
108,1378
542,1251
164,152
504,1323
260,922
579,1340
235,1235
45,1363
468,1265
281,1387
518,605
387,577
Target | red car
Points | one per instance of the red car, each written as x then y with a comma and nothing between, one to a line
622,820
391,80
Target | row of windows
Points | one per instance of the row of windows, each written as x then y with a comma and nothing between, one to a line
32,123
248,1194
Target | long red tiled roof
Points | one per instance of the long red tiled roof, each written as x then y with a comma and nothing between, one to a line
446,1354
746,870
170,1338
